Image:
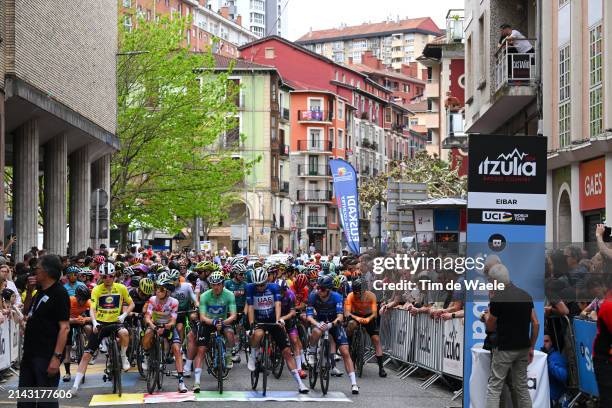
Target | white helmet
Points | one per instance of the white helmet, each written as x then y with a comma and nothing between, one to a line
260,275
107,268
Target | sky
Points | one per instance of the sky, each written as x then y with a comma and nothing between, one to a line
323,14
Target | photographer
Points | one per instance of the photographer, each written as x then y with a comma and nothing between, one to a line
47,328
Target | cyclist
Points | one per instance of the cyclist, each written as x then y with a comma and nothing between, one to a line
288,315
237,286
192,279
186,297
126,275
72,284
360,309
161,316
204,269
264,306
79,307
141,293
217,312
108,300
325,312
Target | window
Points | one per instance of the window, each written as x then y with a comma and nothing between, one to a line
483,52
148,15
257,5
414,122
340,110
564,96
315,104
257,18
596,89
127,3
188,37
340,144
127,23
332,136
315,138
269,53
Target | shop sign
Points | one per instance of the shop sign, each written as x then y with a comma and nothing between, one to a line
593,184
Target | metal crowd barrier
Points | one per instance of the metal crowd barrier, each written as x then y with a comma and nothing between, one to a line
422,342
10,345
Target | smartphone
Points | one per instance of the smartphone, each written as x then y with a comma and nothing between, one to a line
607,234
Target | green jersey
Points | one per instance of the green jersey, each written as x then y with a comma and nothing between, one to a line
217,307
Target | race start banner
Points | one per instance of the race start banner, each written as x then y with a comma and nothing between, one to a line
506,218
347,200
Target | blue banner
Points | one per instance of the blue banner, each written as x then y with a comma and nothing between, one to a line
584,333
347,201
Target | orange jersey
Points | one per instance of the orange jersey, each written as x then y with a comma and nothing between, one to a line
75,309
301,297
364,306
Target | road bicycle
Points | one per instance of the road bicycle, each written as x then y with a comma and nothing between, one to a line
304,335
135,351
215,358
358,348
322,363
113,367
264,361
156,362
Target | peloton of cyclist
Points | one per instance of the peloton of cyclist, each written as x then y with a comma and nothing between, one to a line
161,315
79,311
264,306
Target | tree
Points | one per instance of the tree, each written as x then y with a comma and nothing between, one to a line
173,110
441,179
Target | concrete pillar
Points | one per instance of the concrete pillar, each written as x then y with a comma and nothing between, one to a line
607,67
25,187
100,178
550,219
56,189
80,194
576,65
2,154
577,220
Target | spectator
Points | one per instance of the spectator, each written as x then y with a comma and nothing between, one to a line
557,371
511,315
576,271
5,272
46,329
602,351
596,289
516,41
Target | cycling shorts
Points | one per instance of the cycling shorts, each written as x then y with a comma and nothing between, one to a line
104,330
279,336
339,335
205,331
291,327
371,328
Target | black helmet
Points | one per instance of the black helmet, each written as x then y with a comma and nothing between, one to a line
82,293
357,285
135,281
326,282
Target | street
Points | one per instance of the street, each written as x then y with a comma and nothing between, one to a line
390,391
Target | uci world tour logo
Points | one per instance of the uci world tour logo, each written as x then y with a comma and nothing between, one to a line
513,166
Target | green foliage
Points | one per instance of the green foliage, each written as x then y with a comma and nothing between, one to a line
172,111
441,179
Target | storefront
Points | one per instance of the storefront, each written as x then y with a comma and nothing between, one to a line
592,195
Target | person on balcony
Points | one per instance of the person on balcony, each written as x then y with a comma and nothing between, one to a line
515,40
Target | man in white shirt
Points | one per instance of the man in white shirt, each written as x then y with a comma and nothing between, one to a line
515,39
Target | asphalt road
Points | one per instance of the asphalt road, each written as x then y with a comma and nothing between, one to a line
374,391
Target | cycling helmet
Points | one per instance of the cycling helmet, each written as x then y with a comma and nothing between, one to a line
140,268
155,268
239,268
106,268
260,276
227,268
173,264
339,280
165,283
173,275
87,272
358,285
216,277
317,256
326,281
192,277
236,260
128,270
301,281
183,262
135,282
290,259
82,293
325,267
146,286
99,259
301,268
273,268
332,267
282,284
72,270
205,266
119,265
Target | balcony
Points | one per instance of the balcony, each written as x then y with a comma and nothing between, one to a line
309,116
313,171
314,195
398,128
366,144
317,221
514,87
283,149
285,114
315,145
274,184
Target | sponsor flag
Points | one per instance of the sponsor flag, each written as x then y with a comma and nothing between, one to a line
347,200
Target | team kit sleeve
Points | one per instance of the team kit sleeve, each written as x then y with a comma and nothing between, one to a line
174,309
203,303
94,296
276,292
249,294
125,295
149,311
338,299
192,294
348,303
310,307
232,302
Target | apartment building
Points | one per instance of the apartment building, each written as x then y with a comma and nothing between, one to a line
206,24
262,17
57,118
395,42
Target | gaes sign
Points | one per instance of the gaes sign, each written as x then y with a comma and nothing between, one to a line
593,184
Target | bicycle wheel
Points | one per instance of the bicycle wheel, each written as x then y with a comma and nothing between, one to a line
220,363
303,335
153,367
266,364
255,376
161,372
357,351
80,345
325,366
277,362
116,362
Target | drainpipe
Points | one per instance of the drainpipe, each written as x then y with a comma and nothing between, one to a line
539,67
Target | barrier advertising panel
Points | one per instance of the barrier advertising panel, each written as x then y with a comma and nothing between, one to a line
584,332
452,357
506,218
5,344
